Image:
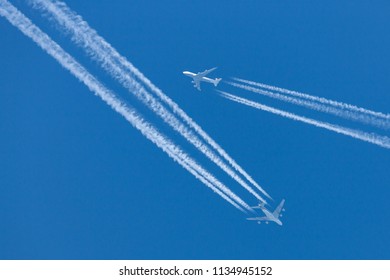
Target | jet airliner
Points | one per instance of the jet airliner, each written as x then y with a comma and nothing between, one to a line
201,77
269,216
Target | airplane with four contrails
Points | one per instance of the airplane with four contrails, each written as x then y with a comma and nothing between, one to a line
269,216
201,77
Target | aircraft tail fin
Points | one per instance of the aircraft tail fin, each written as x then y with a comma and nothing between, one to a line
279,209
216,81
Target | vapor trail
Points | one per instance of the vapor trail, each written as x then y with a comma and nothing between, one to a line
16,18
373,138
320,104
122,70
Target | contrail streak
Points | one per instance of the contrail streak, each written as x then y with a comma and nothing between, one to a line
320,104
122,70
373,138
16,18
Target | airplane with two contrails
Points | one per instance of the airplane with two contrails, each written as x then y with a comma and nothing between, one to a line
201,77
269,216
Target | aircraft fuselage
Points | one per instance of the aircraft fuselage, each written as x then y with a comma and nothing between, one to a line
271,217
202,79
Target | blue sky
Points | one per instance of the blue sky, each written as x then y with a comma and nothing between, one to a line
78,182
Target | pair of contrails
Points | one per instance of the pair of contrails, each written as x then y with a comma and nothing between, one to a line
130,78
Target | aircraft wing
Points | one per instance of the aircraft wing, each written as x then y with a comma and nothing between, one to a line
206,72
279,209
197,84
258,219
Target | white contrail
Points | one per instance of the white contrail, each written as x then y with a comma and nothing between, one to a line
373,138
16,18
341,109
125,72
318,106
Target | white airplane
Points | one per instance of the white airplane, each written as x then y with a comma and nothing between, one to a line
201,77
269,217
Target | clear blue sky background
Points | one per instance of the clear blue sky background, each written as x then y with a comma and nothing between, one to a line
78,182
